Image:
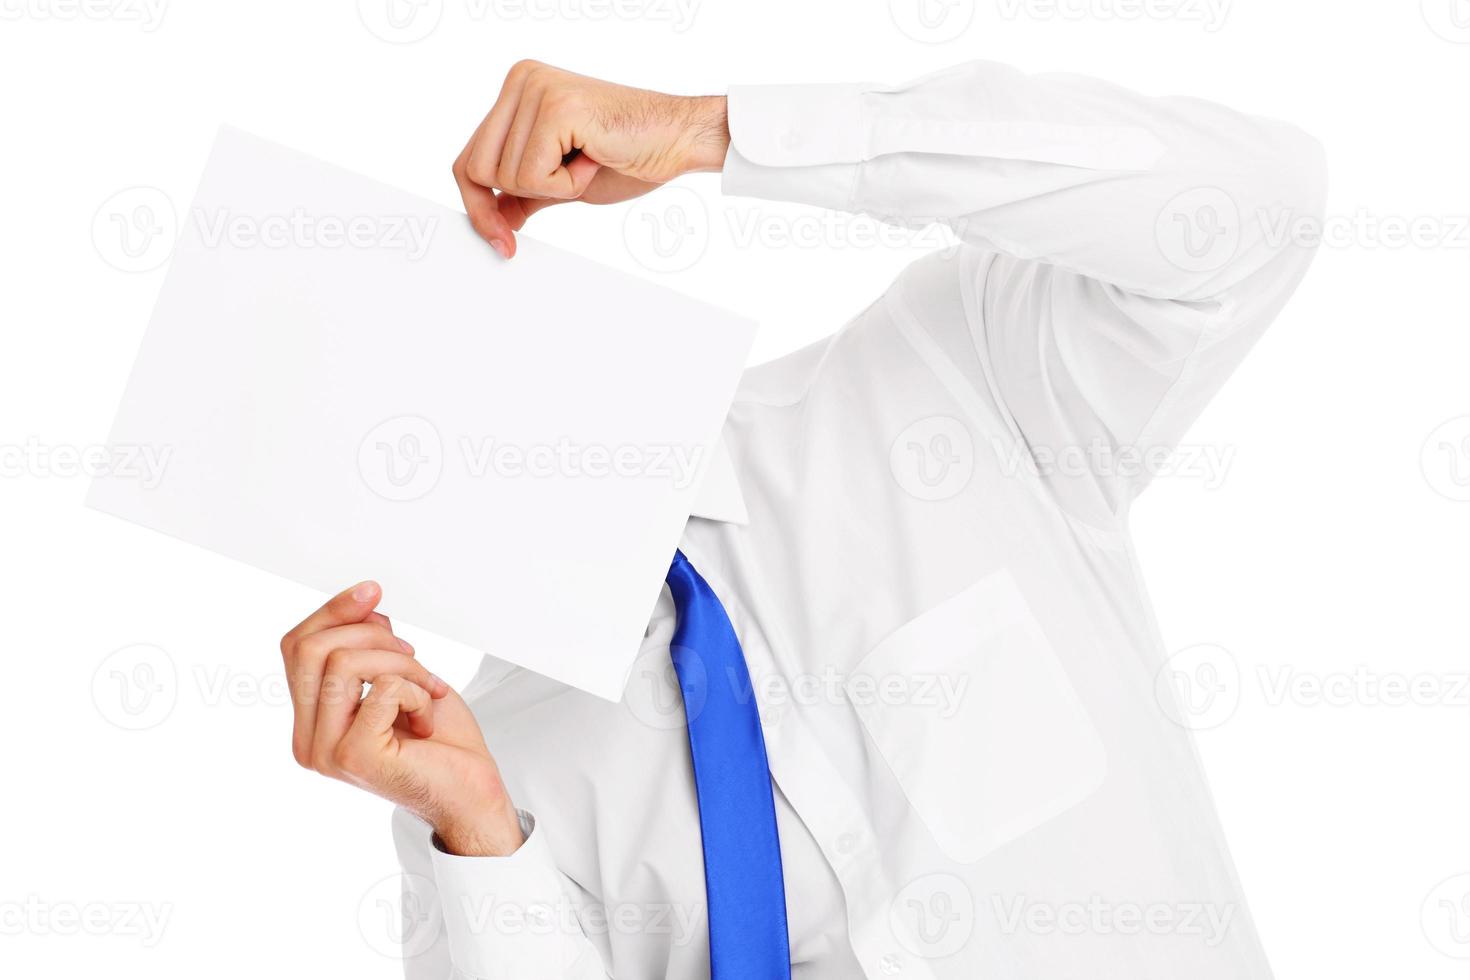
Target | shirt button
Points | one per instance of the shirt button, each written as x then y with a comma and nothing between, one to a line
847,843
890,965
538,915
790,140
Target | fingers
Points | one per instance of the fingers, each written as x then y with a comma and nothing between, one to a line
480,205
348,606
521,149
487,145
346,674
306,662
507,173
369,742
346,621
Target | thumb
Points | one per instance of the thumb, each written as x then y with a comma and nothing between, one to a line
516,210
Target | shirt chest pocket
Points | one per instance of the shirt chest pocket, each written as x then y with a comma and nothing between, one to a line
1003,744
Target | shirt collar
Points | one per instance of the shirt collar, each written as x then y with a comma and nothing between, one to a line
719,497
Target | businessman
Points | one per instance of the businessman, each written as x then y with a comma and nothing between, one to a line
898,712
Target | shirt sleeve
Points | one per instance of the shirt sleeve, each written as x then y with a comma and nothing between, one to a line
490,918
1122,251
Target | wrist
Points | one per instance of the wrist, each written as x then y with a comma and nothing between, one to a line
707,131
492,832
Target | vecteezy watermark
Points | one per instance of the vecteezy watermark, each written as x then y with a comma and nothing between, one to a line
1199,230
1445,917
655,696
136,687
668,231
933,916
403,458
491,915
1445,459
932,21
300,228
1199,687
837,230
400,21
1450,19
1203,686
139,686
407,21
33,458
1207,464
135,229
933,458
1097,916
399,916
1362,687
34,916
1364,229
147,14
1209,14
1202,230
671,230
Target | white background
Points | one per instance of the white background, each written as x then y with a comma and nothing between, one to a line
1329,552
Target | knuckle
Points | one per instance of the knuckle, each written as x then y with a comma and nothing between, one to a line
338,661
481,171
312,648
522,68
347,758
288,643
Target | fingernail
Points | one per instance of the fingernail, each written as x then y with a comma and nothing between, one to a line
438,682
364,591
500,247
407,646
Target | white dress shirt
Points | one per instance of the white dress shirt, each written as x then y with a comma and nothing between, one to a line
981,768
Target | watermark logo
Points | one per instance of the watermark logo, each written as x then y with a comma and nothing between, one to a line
934,458
653,694
1097,916
1199,230
1450,19
402,458
34,916
1209,14
135,229
667,231
400,21
406,233
933,916
136,687
1445,917
399,916
1097,459
147,14
1445,459
1199,687
144,464
932,21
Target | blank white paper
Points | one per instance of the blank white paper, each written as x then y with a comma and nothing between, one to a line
348,383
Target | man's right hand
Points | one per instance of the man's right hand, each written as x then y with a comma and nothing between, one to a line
554,135
410,738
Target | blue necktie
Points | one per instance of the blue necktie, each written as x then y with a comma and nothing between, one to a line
737,815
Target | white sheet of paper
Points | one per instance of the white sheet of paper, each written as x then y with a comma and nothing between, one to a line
348,383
